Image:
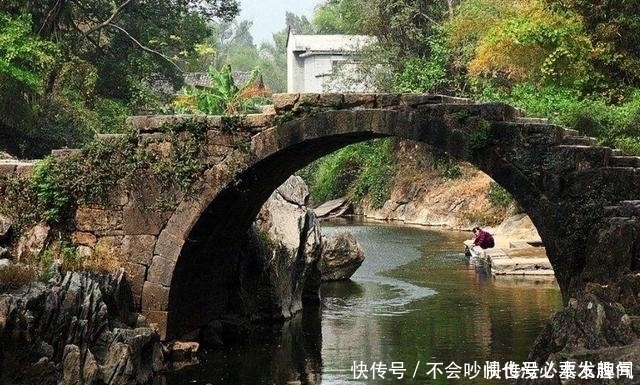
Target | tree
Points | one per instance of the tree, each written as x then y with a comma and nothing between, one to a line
113,58
24,64
614,30
531,43
299,24
341,17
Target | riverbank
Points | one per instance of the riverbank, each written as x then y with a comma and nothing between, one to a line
434,191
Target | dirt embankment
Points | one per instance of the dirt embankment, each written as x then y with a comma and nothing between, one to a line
433,191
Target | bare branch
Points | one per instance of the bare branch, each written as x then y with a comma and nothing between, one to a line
143,47
110,19
49,16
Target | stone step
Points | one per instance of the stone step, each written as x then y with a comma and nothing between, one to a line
108,137
617,152
580,157
519,245
532,120
571,132
519,261
624,161
64,152
579,140
535,134
626,209
16,168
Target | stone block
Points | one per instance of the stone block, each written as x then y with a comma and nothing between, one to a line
25,170
155,297
387,100
454,100
98,220
161,271
136,275
344,121
331,100
84,252
284,102
308,99
414,100
360,100
7,169
161,150
269,109
168,246
141,214
65,152
84,238
138,248
266,142
159,321
257,121
107,253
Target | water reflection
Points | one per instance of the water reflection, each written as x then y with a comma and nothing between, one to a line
290,354
415,299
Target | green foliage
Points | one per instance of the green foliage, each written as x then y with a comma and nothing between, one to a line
449,167
222,98
24,59
534,44
18,196
46,265
377,174
341,17
356,171
480,136
53,194
613,27
420,75
429,73
73,68
104,168
613,125
25,62
498,196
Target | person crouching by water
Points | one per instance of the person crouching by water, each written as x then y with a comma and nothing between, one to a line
483,240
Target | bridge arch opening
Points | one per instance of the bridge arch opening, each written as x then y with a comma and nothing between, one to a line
205,281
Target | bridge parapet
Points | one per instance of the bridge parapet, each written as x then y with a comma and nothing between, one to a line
293,102
12,168
252,123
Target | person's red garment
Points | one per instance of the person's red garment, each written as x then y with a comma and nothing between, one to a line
484,239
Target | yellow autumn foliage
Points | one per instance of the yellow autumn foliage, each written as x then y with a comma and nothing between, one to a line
520,41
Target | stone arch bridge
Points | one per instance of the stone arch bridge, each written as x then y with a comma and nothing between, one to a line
583,198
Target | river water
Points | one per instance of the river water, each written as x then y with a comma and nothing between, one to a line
415,304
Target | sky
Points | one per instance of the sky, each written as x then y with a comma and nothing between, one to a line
268,15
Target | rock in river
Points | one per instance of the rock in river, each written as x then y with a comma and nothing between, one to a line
341,257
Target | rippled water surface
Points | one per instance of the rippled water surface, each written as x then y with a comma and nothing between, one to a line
415,300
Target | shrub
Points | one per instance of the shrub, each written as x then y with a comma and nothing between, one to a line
355,171
498,196
450,168
14,276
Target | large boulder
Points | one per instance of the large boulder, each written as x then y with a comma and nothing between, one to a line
5,228
279,265
341,257
599,324
72,331
32,241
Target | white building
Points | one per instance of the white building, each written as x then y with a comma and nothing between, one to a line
326,63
